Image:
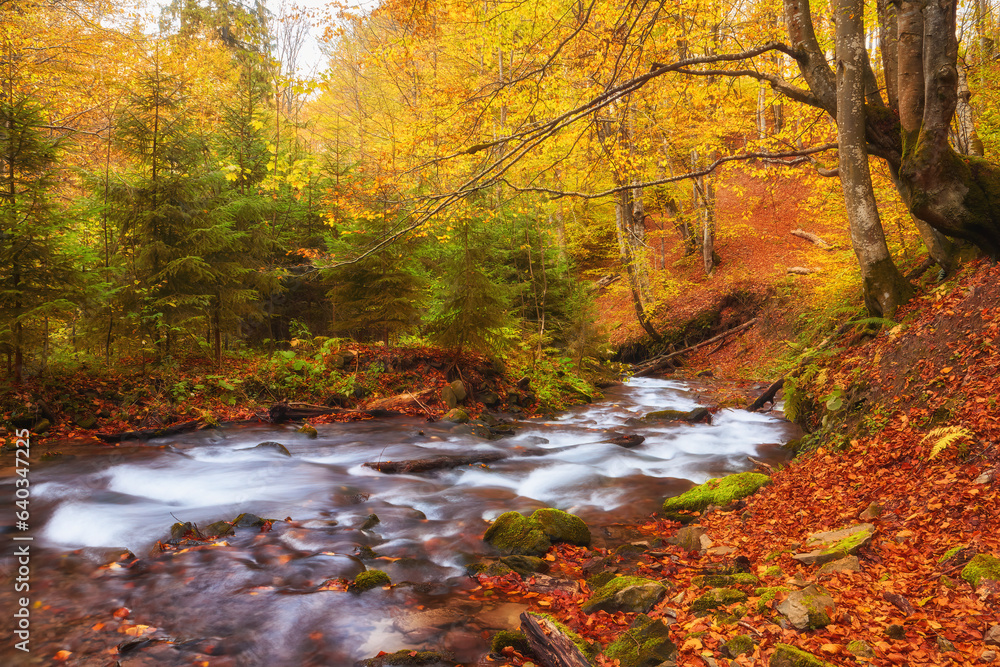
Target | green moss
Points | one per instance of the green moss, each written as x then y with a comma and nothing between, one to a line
368,580
505,638
766,596
726,580
604,597
789,656
561,526
716,599
774,571
588,649
494,569
981,567
739,645
646,644
513,533
599,580
860,648
950,552
722,491
405,657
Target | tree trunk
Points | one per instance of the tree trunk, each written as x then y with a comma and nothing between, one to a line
967,139
955,195
884,286
708,225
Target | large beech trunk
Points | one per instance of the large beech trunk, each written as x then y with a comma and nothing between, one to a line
956,195
884,286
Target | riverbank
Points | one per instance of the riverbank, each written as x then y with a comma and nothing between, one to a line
903,439
350,379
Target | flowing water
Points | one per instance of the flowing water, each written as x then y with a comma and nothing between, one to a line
255,601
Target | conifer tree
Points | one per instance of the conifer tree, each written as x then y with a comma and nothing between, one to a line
36,270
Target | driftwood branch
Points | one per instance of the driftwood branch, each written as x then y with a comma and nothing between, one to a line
443,462
549,644
812,238
660,362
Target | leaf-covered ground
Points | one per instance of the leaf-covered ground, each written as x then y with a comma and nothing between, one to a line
938,500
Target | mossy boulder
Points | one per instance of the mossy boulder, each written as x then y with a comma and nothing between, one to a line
514,533
721,491
308,431
726,580
789,656
860,649
646,644
456,415
368,580
562,526
767,595
627,594
981,567
716,599
738,645
688,538
505,638
492,569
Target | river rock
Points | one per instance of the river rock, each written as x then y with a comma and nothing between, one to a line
628,441
696,416
86,420
438,619
808,609
562,526
271,445
721,491
514,533
409,657
248,520
368,580
789,656
992,636
456,415
834,545
646,644
308,430
525,565
626,594
489,398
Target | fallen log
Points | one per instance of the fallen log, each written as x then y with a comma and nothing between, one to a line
658,363
550,643
284,412
442,462
812,238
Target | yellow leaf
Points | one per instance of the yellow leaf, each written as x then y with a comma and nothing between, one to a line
692,643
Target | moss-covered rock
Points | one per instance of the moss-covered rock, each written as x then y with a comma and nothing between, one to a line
646,644
688,538
492,569
456,415
562,526
860,649
514,533
738,645
789,656
308,431
774,571
627,594
368,580
505,638
721,491
981,567
600,579
716,599
726,580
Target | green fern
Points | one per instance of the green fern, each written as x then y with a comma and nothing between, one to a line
945,436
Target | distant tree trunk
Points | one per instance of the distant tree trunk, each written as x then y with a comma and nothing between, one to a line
708,225
217,326
884,286
966,138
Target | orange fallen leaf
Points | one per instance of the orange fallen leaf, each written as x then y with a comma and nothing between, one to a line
62,656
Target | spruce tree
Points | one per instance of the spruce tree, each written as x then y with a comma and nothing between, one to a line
36,270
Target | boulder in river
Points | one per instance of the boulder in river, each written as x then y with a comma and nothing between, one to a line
269,445
456,415
626,594
695,416
721,491
562,526
368,580
514,533
409,657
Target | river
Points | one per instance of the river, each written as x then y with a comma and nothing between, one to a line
254,599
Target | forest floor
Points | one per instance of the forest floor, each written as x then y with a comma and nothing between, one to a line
932,497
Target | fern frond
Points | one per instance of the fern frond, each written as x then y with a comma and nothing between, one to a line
945,436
